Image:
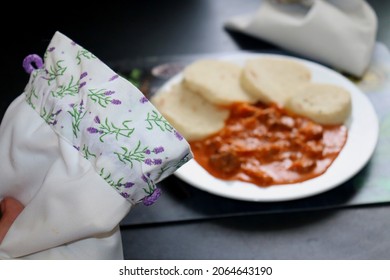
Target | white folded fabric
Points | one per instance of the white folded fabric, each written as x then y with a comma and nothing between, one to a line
79,148
340,34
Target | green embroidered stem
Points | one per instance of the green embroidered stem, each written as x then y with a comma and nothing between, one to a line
30,96
69,89
110,181
176,165
107,128
84,53
99,97
77,116
158,120
150,189
56,71
86,153
128,156
47,116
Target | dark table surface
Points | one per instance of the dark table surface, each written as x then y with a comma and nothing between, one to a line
118,31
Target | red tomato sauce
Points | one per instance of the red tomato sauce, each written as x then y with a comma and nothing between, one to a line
266,145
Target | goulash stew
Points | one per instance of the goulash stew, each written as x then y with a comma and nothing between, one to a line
265,145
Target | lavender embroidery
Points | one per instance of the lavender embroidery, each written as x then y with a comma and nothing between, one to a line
51,49
143,100
158,150
92,130
153,194
86,153
89,120
50,117
145,178
109,92
83,75
103,97
96,119
72,89
29,97
128,185
129,156
175,165
109,128
110,181
116,102
55,71
178,135
77,115
82,84
158,120
83,53
124,194
113,78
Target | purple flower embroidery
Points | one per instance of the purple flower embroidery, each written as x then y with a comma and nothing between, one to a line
113,78
83,75
147,151
82,84
143,100
148,161
125,195
92,130
109,92
57,113
96,119
158,150
178,135
145,177
116,102
157,161
129,185
150,199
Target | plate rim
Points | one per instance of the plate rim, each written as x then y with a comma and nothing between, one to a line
181,173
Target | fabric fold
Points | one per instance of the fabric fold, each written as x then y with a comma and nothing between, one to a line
80,147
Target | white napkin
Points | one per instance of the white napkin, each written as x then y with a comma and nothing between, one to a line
338,33
79,148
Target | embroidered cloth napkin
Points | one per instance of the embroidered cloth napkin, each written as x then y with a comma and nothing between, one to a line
79,148
340,34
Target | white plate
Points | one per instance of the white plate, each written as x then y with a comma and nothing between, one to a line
363,133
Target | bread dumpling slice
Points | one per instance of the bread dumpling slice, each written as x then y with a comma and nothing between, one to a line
272,80
323,103
217,81
192,115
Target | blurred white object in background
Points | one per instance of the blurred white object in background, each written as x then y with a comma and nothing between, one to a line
340,34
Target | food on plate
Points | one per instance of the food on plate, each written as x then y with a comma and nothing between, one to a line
217,81
322,103
192,115
273,80
291,134
265,145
